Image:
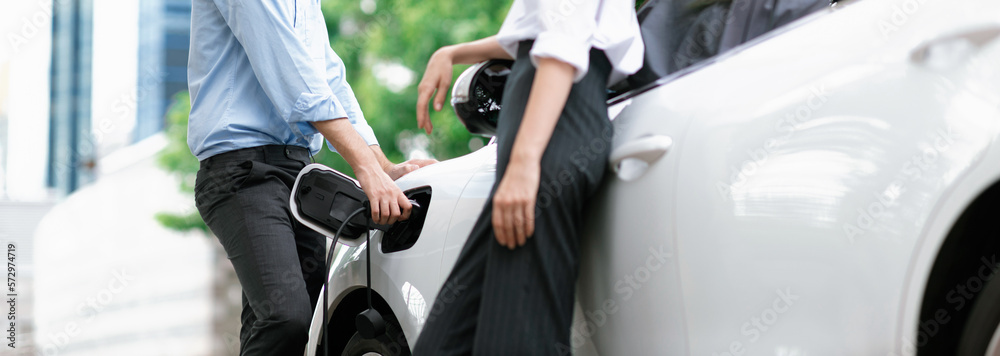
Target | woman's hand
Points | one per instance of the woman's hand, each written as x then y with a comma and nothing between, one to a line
395,171
514,201
437,78
514,204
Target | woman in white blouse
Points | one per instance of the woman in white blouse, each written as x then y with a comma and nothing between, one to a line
515,296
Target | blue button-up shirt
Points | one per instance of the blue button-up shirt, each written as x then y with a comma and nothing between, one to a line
259,72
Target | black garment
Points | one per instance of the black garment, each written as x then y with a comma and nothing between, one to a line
498,301
677,34
681,33
243,197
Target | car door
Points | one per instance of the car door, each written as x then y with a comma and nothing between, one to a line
633,269
813,163
629,286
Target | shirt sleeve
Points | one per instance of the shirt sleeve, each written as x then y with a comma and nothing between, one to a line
280,60
336,78
566,30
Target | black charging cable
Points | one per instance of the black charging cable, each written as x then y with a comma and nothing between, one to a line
326,273
369,323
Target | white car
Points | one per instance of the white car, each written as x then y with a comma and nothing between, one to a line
828,188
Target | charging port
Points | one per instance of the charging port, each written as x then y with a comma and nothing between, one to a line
403,235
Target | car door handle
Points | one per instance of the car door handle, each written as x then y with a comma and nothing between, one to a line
945,47
647,149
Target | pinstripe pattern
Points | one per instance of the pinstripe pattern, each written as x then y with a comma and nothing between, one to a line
502,302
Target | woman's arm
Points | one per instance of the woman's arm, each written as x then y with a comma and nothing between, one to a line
437,77
514,201
477,51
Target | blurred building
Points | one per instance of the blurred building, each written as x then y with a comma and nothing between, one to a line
24,136
71,147
164,38
84,85
115,70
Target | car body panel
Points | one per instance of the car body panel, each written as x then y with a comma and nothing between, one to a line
746,205
628,249
811,206
797,211
468,207
408,280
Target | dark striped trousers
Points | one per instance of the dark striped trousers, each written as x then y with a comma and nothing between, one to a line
498,301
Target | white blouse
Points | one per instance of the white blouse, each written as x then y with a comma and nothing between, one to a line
567,29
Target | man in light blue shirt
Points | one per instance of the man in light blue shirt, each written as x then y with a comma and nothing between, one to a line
266,88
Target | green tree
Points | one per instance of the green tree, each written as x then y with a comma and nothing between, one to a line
177,158
369,36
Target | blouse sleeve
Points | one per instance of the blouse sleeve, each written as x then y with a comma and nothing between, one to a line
566,30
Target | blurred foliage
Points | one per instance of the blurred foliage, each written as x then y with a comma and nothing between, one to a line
177,159
368,35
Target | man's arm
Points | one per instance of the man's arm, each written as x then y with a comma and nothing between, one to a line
387,201
280,60
300,93
337,80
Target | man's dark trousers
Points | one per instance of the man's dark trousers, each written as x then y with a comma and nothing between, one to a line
243,197
498,301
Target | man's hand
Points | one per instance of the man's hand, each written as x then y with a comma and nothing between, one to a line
388,204
385,211
514,204
437,78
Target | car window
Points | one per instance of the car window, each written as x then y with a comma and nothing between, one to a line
680,33
752,18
